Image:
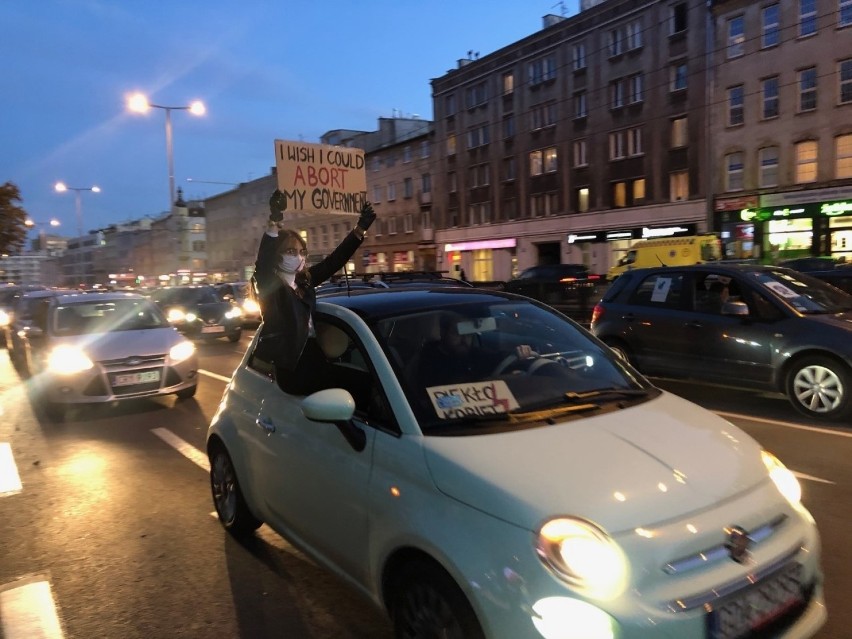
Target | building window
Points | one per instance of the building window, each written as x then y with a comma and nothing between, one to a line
452,182
544,204
843,152
736,111
616,94
377,193
453,218
807,89
634,142
578,56
510,209
542,70
614,42
616,146
391,191
391,226
844,18
638,190
406,155
451,144
734,172
771,33
580,105
678,186
509,168
679,132
580,157
769,89
635,88
677,18
477,137
408,188
768,158
479,213
633,32
508,126
376,163
845,77
450,105
543,115
807,17
806,162
426,182
479,175
425,149
627,142
736,37
426,220
408,223
550,160
677,77
583,199
508,83
619,194
543,161
476,95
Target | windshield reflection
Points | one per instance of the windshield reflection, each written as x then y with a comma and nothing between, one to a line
804,293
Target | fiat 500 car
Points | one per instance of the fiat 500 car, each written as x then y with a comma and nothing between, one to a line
199,313
480,466
88,348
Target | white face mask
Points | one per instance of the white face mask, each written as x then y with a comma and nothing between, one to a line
291,263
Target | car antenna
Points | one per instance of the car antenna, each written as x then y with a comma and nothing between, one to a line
346,278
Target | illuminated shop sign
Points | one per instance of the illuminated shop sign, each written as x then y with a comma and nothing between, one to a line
587,237
826,209
486,244
836,208
643,232
666,231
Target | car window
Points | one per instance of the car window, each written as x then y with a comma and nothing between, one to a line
803,292
712,290
660,290
102,316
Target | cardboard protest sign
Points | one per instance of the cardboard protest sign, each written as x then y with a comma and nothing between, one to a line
320,178
476,398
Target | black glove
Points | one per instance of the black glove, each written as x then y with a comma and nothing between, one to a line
277,204
368,216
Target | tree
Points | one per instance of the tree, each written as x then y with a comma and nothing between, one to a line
13,231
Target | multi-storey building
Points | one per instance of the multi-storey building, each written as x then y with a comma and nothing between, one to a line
571,143
782,127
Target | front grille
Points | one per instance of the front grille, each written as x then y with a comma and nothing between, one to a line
133,361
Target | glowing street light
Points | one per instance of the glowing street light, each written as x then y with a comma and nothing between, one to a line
30,223
61,187
138,103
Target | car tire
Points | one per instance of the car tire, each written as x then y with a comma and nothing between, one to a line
187,393
820,387
235,336
231,507
620,349
428,603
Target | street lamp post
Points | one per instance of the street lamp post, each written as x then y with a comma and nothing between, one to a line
61,187
41,238
138,103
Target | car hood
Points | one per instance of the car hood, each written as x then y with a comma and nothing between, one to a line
841,320
623,469
121,344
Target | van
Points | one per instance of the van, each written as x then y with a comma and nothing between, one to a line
669,251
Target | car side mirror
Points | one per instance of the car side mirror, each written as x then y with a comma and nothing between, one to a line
739,309
335,406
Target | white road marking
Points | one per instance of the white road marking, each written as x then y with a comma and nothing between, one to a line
10,480
187,450
812,429
221,378
29,612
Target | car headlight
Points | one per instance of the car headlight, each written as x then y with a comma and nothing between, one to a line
176,315
180,352
583,556
5,320
67,360
250,306
785,481
234,312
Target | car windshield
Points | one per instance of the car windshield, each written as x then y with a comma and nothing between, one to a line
500,364
804,293
184,296
102,316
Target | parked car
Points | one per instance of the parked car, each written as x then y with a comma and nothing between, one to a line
760,327
556,284
547,486
808,264
198,312
28,309
242,294
87,348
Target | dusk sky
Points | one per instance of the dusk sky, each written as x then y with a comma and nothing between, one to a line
265,69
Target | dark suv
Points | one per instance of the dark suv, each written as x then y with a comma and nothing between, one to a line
757,327
556,284
198,312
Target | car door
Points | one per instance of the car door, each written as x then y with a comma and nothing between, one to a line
731,347
317,481
654,325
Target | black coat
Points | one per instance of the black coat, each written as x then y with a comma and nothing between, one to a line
285,315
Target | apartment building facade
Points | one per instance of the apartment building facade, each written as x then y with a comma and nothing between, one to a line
782,127
574,142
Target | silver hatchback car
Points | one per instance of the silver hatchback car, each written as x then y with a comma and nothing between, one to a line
84,348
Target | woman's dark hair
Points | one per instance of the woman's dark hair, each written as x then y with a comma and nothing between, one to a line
303,277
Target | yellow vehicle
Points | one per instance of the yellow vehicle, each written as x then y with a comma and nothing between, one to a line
669,251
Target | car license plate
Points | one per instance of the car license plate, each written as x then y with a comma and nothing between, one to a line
757,606
212,329
136,378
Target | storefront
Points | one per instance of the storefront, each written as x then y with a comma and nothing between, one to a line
790,225
480,260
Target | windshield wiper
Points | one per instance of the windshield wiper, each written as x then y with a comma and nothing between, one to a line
592,398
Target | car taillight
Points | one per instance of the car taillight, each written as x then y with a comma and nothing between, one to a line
594,277
597,313
566,280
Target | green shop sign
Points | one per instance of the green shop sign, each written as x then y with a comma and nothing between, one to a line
827,209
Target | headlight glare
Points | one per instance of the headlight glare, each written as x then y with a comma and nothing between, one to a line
176,315
67,360
180,352
785,481
4,318
234,312
584,556
250,306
